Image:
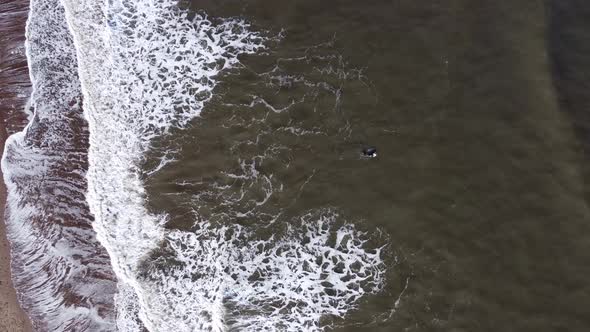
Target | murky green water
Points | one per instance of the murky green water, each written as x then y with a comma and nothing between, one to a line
479,184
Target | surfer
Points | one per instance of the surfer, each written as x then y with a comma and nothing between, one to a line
370,152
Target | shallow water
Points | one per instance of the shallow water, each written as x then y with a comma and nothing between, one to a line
61,273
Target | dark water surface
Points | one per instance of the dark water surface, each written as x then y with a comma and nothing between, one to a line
478,111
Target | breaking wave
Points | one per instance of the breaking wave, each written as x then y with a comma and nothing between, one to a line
141,69
225,278
62,273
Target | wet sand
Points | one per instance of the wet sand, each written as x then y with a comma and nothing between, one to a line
12,317
14,85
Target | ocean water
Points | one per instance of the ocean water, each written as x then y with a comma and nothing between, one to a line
197,166
62,274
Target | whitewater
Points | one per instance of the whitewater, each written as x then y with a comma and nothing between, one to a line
108,78
61,272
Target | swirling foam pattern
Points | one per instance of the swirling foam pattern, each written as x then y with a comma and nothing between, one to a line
146,67
62,273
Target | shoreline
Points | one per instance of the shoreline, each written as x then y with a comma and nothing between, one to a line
12,316
14,81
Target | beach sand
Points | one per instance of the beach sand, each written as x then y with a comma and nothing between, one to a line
12,317
14,91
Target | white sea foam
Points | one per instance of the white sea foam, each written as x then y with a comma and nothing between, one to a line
287,283
145,67
62,274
